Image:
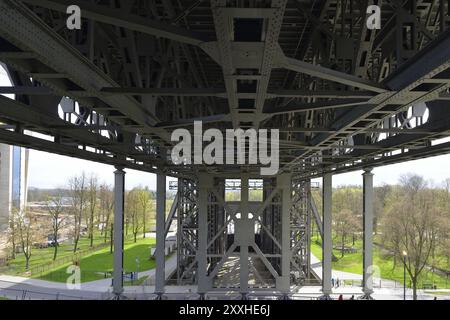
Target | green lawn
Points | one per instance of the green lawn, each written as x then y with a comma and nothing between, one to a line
41,257
44,257
94,266
352,262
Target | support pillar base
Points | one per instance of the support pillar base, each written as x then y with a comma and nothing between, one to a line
285,297
118,297
366,296
159,296
325,297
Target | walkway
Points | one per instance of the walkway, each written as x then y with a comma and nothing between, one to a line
89,290
25,288
316,265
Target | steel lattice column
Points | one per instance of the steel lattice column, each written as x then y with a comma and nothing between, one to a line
187,238
284,182
205,185
301,228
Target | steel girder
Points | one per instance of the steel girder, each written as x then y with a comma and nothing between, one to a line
305,76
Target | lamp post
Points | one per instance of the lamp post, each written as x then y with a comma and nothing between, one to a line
405,254
137,268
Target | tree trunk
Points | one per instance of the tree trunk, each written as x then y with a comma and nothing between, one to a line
143,227
135,237
112,239
414,285
27,263
106,234
92,240
55,252
342,247
75,247
13,253
106,228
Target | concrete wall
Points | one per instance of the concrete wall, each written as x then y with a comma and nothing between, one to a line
5,184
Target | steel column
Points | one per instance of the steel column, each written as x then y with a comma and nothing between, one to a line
205,184
284,182
368,231
119,190
244,248
160,233
327,245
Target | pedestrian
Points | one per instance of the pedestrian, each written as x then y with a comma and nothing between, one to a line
341,297
353,297
332,282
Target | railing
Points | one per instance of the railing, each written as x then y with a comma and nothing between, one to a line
39,270
19,294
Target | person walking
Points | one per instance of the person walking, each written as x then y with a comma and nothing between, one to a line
341,297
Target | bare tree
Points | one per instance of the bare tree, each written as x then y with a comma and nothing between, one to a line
345,224
106,207
24,224
411,225
78,191
132,204
55,207
144,202
381,197
92,194
12,234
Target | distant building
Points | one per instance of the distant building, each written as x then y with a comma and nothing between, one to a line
13,181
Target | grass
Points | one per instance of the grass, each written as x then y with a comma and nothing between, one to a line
44,257
352,262
98,265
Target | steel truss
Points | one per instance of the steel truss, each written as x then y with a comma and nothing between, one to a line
343,97
301,231
265,259
139,69
187,233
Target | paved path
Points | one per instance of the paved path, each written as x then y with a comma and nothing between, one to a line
40,289
342,275
25,288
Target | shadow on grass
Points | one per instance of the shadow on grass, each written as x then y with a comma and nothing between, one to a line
99,265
